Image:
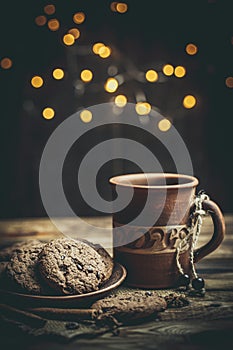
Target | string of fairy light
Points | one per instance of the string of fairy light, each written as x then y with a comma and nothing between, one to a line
114,80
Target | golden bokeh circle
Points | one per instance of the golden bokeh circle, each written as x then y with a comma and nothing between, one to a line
189,101
143,108
86,116
37,82
79,17
6,63
40,20
75,32
86,75
151,76
180,71
53,24
68,39
48,113
58,73
168,70
120,100
191,49
164,125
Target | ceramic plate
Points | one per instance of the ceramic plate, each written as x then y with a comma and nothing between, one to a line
80,300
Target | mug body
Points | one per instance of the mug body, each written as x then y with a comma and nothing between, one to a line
146,244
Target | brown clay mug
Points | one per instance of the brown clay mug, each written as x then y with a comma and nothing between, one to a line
148,248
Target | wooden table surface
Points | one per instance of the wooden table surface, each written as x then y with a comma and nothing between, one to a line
207,323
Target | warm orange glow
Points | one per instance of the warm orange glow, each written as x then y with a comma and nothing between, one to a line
40,20
180,71
189,101
75,32
79,17
151,76
86,75
49,9
229,82
113,6
58,74
53,24
143,108
164,125
48,113
37,81
6,63
191,49
68,39
121,7
111,85
104,51
120,100
86,116
168,70
96,47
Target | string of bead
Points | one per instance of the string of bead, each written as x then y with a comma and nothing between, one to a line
193,234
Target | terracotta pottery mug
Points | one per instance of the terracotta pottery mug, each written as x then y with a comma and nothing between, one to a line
147,244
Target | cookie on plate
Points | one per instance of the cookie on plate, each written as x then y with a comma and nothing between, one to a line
71,267
129,306
22,268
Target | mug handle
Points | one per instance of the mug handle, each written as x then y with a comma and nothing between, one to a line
219,230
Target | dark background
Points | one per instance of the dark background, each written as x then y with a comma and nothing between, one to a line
149,35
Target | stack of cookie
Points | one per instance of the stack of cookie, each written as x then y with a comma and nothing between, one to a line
60,267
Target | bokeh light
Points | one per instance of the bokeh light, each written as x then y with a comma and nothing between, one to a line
37,81
120,100
151,76
164,125
49,9
40,20
75,32
111,85
53,24
58,73
121,7
79,17
48,113
86,75
168,70
86,116
68,39
96,47
189,101
180,71
229,82
6,63
104,51
143,108
113,6
191,49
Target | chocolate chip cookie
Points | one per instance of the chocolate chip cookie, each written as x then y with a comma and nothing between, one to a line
71,266
22,268
127,307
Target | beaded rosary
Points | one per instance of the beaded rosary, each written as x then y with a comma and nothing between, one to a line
191,239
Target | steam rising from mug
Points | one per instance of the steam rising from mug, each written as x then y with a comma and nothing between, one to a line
69,131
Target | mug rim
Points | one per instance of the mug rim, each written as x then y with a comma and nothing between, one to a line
117,180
